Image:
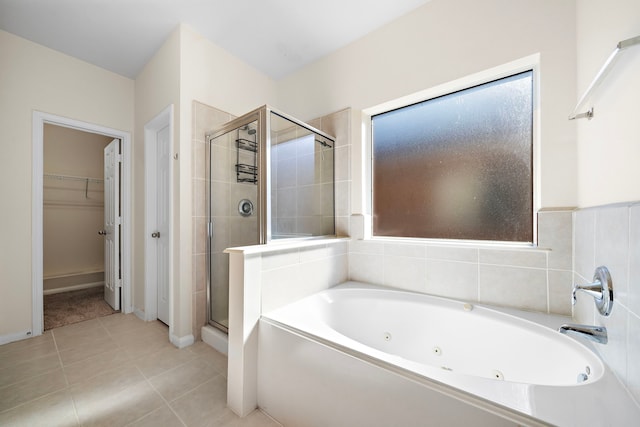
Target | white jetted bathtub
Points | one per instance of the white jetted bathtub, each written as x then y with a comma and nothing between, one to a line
361,355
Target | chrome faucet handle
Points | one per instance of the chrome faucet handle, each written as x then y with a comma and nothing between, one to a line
601,290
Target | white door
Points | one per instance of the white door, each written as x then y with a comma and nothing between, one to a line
111,230
161,235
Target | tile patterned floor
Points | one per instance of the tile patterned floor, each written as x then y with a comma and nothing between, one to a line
115,371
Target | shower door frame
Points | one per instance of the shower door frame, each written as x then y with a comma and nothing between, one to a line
257,116
260,115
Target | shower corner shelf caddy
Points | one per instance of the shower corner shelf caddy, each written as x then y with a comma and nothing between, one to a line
246,172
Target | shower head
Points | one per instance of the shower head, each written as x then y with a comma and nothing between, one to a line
247,129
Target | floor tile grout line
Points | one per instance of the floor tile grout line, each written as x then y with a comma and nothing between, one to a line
33,400
181,364
199,385
30,376
163,399
39,375
66,380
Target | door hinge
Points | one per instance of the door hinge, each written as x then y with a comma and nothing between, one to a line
210,229
119,220
119,283
119,158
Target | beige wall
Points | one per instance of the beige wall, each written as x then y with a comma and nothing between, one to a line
156,88
608,173
186,68
73,211
35,78
608,148
446,40
211,76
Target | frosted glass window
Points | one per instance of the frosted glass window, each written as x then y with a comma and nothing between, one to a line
458,166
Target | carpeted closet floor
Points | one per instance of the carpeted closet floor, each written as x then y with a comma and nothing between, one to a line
76,306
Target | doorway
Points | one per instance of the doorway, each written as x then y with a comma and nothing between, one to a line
158,143
74,240
40,120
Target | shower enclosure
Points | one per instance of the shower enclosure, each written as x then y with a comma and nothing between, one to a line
269,176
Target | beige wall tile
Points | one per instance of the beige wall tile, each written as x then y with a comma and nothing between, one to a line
452,253
513,287
633,355
555,232
405,273
452,279
612,246
366,268
560,286
514,257
584,242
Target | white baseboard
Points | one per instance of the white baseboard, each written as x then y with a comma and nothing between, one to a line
6,339
216,339
140,314
181,342
72,288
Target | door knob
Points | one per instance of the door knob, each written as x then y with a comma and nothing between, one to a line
155,234
102,232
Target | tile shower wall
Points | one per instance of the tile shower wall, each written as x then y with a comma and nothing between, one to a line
301,185
338,124
610,236
537,279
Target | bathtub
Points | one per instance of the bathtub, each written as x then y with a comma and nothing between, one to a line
359,354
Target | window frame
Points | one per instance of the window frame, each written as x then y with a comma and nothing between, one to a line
530,63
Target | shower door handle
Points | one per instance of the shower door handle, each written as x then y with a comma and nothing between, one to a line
155,234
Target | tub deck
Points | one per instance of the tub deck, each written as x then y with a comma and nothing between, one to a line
293,330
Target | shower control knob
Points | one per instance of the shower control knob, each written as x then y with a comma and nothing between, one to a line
245,207
155,234
102,232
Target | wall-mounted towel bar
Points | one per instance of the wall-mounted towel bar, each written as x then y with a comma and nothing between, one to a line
624,44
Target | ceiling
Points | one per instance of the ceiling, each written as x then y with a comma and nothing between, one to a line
276,37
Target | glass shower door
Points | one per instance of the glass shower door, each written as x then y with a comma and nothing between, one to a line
302,180
232,207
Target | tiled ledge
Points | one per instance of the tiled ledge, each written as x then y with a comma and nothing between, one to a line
286,245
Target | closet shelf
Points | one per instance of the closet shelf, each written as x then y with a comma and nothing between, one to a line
624,44
73,178
84,179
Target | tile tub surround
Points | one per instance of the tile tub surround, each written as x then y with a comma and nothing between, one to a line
610,235
117,370
265,277
534,279
262,279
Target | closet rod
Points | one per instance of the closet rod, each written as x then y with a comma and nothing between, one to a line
74,178
624,44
